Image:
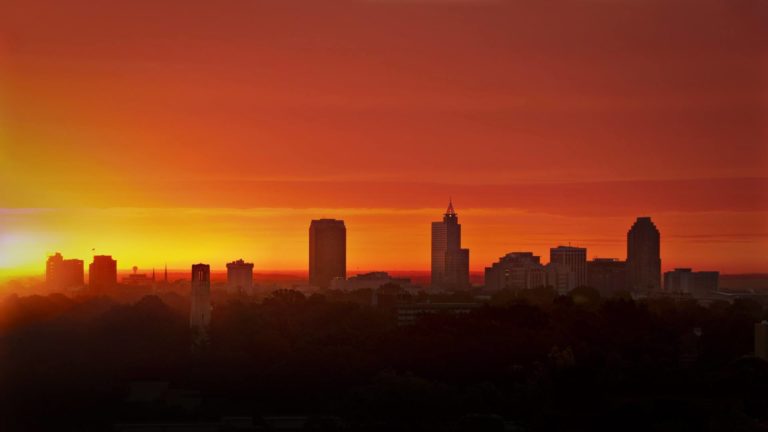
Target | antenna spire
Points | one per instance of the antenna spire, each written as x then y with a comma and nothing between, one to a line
450,210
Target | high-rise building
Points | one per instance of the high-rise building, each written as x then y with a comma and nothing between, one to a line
63,274
327,251
200,310
573,258
685,281
644,256
102,273
240,276
607,275
450,263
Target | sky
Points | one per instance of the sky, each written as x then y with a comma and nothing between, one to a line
177,132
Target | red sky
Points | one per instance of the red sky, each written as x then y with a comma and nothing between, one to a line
137,127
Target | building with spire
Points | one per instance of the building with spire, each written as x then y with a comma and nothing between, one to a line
644,256
450,263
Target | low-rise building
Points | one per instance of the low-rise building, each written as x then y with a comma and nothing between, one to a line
688,282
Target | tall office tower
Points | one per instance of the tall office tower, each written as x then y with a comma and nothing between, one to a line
240,276
327,251
572,258
63,274
450,263
200,311
644,256
607,275
102,273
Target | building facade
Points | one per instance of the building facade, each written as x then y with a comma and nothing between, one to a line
523,270
372,280
450,263
240,277
607,275
327,251
686,281
560,277
573,258
516,271
102,273
644,256
200,310
63,274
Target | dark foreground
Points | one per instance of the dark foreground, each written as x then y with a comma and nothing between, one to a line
528,361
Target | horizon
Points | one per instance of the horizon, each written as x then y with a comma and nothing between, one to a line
610,248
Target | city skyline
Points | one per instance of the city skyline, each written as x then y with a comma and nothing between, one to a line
565,270
475,268
387,215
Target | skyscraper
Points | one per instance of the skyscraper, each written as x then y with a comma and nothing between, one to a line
63,274
102,273
450,263
200,311
572,258
240,276
644,255
327,251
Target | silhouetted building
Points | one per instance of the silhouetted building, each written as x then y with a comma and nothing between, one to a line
63,274
761,340
607,275
523,270
644,256
327,251
240,277
574,258
685,281
139,279
200,311
372,280
516,271
560,277
450,263
102,273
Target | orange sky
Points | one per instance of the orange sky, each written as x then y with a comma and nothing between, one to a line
168,131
